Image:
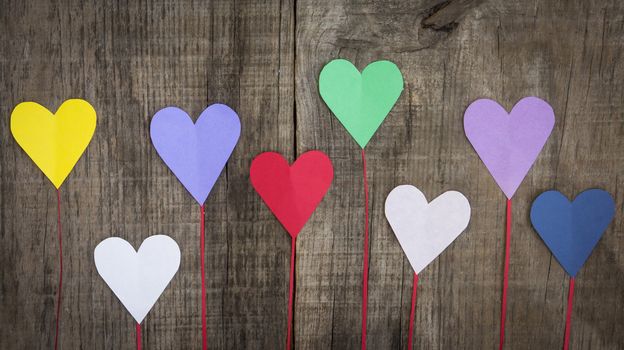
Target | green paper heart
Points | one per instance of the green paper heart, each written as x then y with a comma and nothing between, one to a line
360,101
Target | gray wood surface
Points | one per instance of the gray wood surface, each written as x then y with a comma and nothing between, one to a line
131,58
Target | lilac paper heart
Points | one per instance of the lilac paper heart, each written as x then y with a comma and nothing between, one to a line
509,143
196,153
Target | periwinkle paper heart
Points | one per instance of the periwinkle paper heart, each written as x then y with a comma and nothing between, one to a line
55,142
196,153
360,101
292,192
571,230
425,229
509,143
137,278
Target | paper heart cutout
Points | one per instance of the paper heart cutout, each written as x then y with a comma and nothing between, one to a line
292,192
571,230
196,152
137,278
509,143
360,101
425,229
56,141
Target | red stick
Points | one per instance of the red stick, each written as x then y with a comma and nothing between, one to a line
412,312
505,276
60,285
291,289
566,339
203,278
365,278
138,336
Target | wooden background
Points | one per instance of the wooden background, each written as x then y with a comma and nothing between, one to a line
130,58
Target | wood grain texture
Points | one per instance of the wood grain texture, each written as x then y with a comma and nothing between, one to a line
131,58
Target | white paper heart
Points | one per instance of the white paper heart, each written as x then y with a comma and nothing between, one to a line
424,229
138,278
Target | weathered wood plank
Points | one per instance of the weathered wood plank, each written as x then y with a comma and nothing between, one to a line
450,54
131,59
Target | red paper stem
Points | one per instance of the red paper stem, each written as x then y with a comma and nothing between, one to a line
566,339
291,288
138,336
60,284
412,312
365,278
505,276
203,277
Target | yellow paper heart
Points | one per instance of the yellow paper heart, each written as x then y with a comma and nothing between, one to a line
54,142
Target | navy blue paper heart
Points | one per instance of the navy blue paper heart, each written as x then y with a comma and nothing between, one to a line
571,230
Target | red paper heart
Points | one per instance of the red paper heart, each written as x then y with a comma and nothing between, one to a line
292,192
